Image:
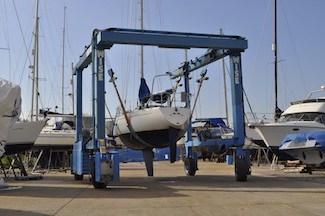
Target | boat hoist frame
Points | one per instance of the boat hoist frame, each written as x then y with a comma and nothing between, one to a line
219,46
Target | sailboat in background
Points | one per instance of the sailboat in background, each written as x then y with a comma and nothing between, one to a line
303,116
60,131
24,134
155,124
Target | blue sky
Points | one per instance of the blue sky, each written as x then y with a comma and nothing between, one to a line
300,46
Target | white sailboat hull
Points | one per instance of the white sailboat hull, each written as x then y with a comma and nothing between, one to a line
23,136
61,139
152,125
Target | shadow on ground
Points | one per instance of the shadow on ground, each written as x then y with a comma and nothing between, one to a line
8,212
153,187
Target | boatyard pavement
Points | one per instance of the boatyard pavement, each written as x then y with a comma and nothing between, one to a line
213,191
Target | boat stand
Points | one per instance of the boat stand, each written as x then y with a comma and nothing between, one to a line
37,161
54,159
17,162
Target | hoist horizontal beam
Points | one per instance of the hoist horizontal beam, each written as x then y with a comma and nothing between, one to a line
194,64
108,37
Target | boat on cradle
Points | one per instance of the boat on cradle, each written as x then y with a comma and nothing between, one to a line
23,135
10,109
253,139
307,147
60,132
206,132
303,116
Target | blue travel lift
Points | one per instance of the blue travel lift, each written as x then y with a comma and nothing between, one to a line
103,164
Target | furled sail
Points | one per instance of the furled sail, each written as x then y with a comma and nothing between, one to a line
144,92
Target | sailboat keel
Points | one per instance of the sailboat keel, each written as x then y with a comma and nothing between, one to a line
172,143
148,159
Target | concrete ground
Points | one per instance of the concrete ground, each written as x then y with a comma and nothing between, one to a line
213,191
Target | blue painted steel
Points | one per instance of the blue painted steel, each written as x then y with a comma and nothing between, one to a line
84,60
77,158
106,38
129,155
98,160
80,160
229,159
194,64
188,103
220,44
79,106
116,164
211,142
100,95
93,90
237,99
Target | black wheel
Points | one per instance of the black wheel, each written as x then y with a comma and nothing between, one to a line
189,166
241,168
97,185
78,177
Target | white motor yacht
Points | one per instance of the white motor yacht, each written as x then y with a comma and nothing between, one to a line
302,116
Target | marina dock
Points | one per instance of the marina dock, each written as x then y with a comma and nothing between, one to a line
213,191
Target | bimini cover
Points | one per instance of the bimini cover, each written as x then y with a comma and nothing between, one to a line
10,109
215,122
144,92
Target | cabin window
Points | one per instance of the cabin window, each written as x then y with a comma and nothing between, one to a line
321,119
302,117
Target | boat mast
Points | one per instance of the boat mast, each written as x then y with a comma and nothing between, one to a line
277,111
72,90
63,40
35,66
141,26
225,85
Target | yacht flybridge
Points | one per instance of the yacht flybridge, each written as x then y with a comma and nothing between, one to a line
301,117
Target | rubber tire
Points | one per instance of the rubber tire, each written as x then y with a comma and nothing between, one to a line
241,168
189,166
97,185
78,177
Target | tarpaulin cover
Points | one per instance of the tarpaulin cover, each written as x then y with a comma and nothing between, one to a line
10,109
215,122
319,136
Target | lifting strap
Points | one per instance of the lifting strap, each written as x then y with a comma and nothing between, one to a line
200,81
129,126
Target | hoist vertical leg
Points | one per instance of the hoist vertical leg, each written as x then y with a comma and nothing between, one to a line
79,106
241,160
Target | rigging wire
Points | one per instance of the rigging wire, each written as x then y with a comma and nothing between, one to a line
21,32
294,48
258,46
246,97
6,34
24,65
